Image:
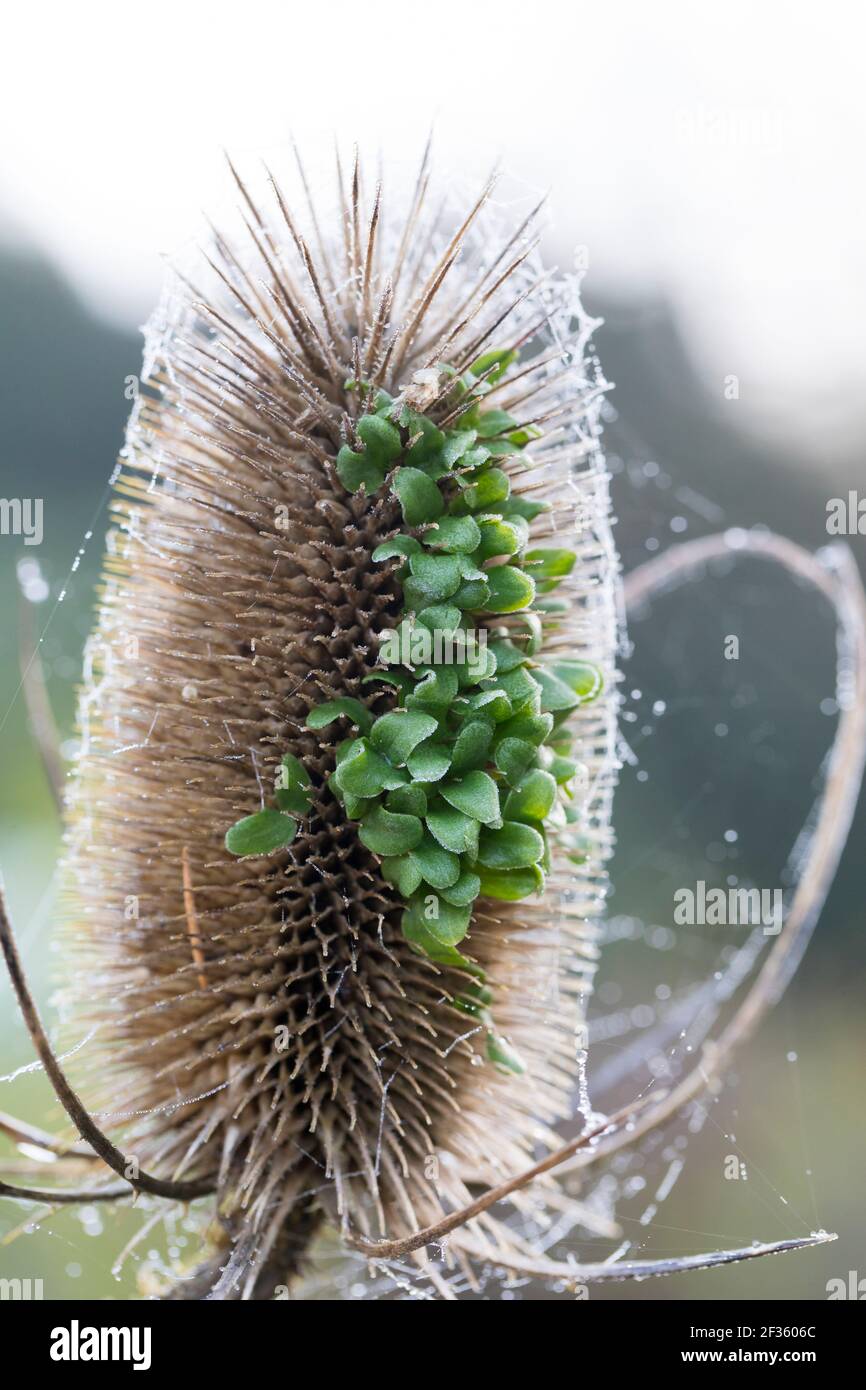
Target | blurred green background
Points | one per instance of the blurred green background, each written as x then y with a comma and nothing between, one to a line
718,747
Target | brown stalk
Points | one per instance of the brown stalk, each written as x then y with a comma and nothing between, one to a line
86,1126
846,594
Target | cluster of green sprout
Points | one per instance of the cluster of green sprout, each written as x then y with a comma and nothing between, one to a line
455,788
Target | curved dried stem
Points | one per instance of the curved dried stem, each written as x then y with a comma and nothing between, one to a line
86,1126
613,1271
392,1249
68,1196
22,1133
842,587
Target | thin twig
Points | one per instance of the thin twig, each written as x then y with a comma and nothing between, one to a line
612,1271
845,591
392,1249
23,1133
66,1196
75,1109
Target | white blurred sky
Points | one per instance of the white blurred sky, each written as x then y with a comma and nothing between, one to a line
714,151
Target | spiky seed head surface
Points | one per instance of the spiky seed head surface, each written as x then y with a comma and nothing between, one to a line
264,1019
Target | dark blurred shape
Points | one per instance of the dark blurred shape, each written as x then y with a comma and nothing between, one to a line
668,414
63,411
61,392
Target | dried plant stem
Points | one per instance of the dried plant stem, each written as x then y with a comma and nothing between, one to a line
391,1249
22,1133
613,1271
86,1126
844,591
66,1197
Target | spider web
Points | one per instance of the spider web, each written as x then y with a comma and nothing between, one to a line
713,787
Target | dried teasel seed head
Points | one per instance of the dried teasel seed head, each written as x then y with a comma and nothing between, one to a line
264,1018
